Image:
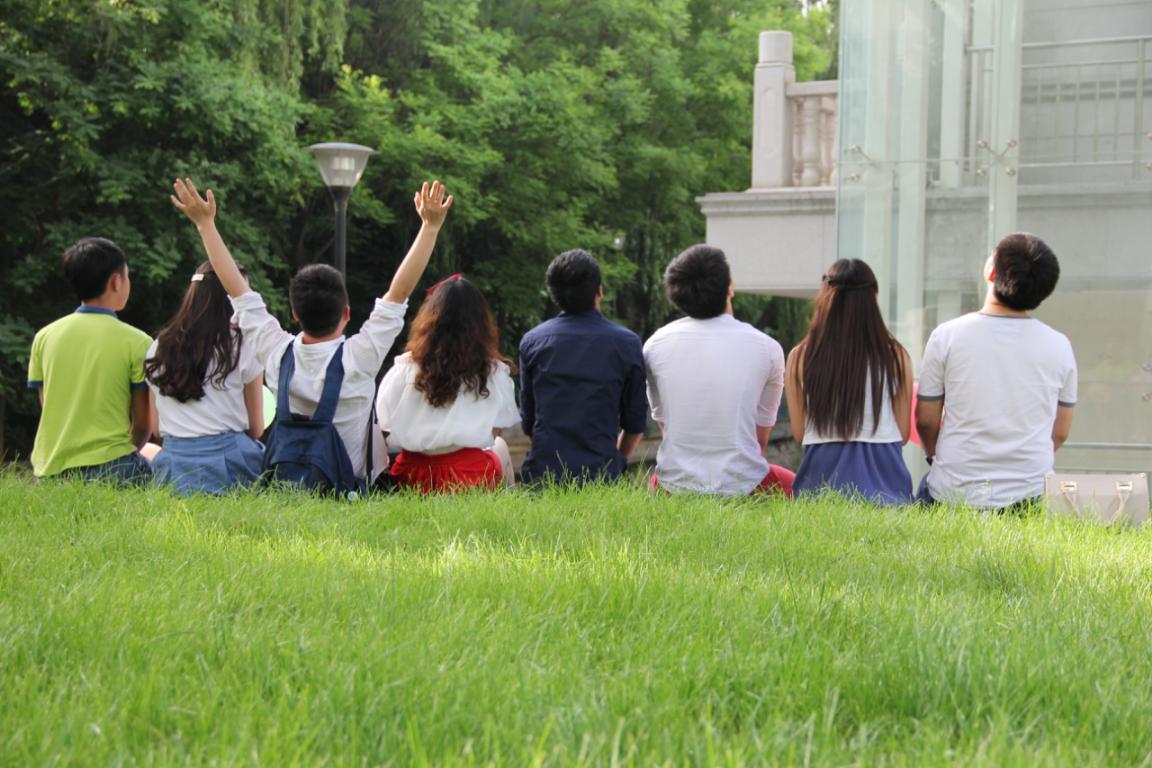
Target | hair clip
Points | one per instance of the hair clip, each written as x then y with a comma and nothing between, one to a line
456,276
198,277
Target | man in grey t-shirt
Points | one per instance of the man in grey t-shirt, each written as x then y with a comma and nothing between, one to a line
997,387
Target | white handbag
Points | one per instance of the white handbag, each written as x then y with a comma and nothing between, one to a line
1110,499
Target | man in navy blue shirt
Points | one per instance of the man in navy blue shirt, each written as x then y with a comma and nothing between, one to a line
582,390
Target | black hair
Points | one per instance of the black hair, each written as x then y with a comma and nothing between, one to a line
454,343
198,345
697,282
318,297
846,349
573,278
90,264
1026,271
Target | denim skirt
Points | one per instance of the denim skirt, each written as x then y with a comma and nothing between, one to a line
209,464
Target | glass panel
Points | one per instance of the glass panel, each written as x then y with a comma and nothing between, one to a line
964,120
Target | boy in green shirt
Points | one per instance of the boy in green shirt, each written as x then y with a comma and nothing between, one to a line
89,370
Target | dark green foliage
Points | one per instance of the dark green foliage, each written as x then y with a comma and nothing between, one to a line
557,124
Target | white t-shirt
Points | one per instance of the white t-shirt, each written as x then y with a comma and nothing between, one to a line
414,425
220,410
364,353
712,382
1001,379
887,430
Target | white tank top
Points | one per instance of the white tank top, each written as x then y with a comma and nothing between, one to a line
887,431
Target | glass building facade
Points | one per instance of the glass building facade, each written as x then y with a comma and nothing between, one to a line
960,121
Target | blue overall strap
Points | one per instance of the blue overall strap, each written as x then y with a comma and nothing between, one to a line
333,381
287,368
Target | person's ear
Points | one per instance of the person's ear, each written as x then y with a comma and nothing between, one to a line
990,269
600,291
295,317
346,315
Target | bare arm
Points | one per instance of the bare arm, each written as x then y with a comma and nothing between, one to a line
202,212
902,405
141,416
254,405
154,414
763,434
40,392
1063,425
433,208
794,394
628,442
928,416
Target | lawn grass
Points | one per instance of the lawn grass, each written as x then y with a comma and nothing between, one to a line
597,627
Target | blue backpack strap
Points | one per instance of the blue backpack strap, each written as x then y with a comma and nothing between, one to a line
287,369
333,381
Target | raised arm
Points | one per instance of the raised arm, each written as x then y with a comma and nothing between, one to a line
202,212
433,207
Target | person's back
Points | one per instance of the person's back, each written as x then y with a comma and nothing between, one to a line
582,398
849,389
714,384
443,400
89,370
1006,384
206,384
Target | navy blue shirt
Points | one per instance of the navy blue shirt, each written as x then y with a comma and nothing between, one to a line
581,382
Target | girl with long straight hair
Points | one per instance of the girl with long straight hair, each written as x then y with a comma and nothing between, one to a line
443,399
849,390
207,389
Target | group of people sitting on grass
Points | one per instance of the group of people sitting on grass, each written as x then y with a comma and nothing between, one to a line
995,398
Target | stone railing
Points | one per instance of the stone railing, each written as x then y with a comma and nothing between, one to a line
794,130
814,132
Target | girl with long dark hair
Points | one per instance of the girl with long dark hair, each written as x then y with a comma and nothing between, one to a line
849,390
444,397
207,389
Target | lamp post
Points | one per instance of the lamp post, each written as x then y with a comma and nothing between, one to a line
341,165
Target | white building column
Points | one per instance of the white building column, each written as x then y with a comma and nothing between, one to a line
772,123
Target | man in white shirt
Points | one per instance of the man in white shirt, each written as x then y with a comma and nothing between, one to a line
997,387
714,384
319,302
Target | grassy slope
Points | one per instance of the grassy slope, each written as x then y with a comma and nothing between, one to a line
565,627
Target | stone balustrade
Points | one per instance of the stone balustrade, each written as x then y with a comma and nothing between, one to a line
794,129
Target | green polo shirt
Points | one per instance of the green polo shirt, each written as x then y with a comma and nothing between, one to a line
87,364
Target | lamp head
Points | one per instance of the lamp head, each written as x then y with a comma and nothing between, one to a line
341,165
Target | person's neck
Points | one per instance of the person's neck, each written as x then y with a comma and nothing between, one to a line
101,302
307,338
994,307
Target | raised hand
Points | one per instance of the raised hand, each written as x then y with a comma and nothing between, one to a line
431,204
200,210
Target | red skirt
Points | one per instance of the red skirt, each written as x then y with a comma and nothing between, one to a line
447,472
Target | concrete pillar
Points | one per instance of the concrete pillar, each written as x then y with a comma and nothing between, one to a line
772,121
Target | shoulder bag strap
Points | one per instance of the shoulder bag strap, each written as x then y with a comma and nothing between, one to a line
287,369
333,381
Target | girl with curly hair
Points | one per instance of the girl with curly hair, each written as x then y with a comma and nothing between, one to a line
443,399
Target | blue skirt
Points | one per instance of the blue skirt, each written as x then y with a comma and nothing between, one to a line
875,471
209,464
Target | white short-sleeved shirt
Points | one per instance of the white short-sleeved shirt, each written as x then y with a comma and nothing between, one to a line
1001,380
220,410
364,353
415,425
887,429
712,383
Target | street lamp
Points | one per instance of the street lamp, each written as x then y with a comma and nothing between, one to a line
341,166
